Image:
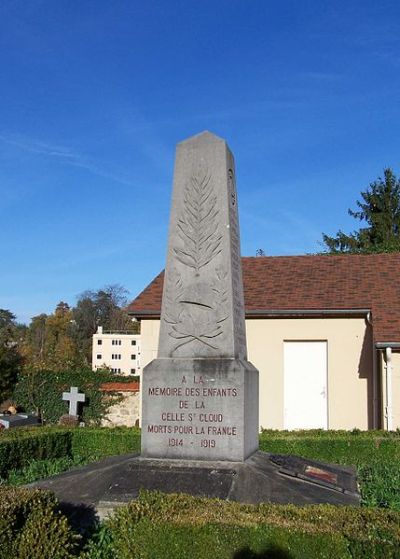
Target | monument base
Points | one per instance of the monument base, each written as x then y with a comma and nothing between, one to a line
199,409
97,489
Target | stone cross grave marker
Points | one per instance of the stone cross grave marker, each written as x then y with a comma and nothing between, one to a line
73,396
200,396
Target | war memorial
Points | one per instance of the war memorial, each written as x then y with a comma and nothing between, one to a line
200,395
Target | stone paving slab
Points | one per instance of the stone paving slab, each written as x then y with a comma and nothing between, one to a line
117,480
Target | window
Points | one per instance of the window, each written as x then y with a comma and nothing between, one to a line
133,371
99,342
99,356
133,356
133,342
115,370
116,342
116,356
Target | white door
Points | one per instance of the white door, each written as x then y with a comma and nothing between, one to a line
305,385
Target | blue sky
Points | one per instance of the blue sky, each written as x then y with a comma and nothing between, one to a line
94,96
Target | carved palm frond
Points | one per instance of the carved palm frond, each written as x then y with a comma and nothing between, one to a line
198,225
172,295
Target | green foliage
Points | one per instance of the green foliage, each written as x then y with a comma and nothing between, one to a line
376,455
380,210
101,545
341,447
157,526
380,484
50,343
19,447
93,444
174,526
41,469
101,308
10,357
41,391
31,526
27,454
63,340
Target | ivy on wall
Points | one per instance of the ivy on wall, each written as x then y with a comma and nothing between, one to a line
41,392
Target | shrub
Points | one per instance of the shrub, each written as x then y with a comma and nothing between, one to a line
376,455
19,448
174,526
40,469
96,443
31,527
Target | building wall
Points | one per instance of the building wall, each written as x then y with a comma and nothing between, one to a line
349,345
120,352
350,367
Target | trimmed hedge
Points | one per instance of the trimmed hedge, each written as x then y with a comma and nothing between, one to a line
376,454
19,447
90,444
31,527
157,526
341,447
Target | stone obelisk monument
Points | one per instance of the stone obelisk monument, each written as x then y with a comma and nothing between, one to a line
200,396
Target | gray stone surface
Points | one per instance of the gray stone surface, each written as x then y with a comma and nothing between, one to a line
117,480
73,397
203,408
18,420
200,396
202,311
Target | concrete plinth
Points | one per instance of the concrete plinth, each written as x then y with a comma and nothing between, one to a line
101,487
200,409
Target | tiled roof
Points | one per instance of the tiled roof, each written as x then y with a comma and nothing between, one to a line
120,387
311,283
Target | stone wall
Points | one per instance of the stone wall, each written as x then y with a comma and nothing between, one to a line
126,412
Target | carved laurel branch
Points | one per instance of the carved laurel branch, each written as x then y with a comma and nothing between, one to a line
198,225
187,329
171,301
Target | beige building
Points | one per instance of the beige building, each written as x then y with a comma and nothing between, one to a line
118,350
324,333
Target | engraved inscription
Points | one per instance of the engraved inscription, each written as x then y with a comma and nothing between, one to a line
237,290
231,187
198,225
189,412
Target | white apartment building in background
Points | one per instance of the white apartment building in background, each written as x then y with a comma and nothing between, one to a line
118,350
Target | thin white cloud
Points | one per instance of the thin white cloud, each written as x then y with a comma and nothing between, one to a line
63,154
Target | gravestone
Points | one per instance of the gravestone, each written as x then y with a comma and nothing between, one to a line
73,397
200,396
18,420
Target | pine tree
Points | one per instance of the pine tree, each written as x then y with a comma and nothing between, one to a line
380,210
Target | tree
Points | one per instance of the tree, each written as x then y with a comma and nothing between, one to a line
50,342
100,308
10,357
380,210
